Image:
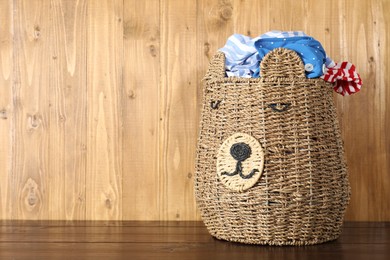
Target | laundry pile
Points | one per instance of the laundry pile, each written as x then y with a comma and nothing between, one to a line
243,56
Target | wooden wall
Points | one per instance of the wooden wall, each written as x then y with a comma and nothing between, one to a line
99,100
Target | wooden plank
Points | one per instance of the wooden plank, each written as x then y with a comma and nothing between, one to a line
178,99
365,116
66,182
169,251
106,234
6,106
154,234
120,223
161,232
104,135
384,81
141,110
177,241
31,155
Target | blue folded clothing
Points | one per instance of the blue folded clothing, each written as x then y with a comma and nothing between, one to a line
309,50
244,54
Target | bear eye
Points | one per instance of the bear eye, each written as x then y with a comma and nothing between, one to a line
280,107
215,104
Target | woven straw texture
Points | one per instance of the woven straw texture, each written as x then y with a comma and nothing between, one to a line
302,189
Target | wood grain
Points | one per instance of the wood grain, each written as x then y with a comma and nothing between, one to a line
6,105
104,112
68,102
177,110
177,240
364,129
31,160
141,88
100,100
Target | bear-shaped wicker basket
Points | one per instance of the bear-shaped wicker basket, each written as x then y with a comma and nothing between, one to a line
270,165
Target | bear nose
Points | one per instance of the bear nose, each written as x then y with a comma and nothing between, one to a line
240,151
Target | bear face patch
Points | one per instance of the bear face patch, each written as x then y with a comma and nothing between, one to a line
240,162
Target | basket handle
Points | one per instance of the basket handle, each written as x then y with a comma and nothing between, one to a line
278,63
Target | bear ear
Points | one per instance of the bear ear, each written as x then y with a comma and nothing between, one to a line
282,63
216,68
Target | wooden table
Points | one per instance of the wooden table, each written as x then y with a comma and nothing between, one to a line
172,240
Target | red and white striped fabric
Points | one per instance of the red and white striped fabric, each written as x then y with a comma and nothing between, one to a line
345,78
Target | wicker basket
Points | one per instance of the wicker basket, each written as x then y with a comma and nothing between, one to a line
270,163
